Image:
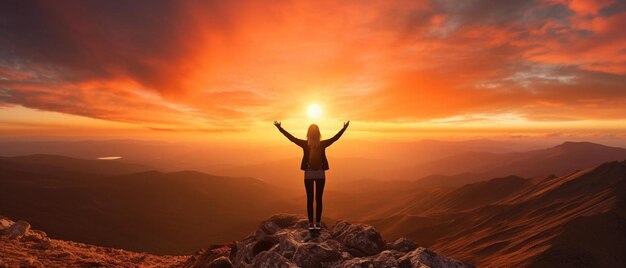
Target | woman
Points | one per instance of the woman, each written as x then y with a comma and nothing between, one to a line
314,163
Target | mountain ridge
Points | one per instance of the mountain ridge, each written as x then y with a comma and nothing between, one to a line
560,159
521,228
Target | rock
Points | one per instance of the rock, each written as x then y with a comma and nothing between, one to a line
220,262
204,257
34,236
385,259
360,239
403,244
287,245
17,230
4,224
266,228
244,252
270,259
313,254
44,244
264,244
423,257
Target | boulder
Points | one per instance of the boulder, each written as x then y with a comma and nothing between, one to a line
4,224
34,236
360,239
402,244
39,238
204,257
17,230
423,258
312,254
287,245
271,259
244,252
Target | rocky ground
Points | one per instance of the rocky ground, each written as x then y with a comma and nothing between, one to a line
281,241
21,246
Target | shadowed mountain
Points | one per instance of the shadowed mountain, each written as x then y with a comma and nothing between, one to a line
558,160
149,211
574,220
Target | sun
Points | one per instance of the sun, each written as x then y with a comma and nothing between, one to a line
314,111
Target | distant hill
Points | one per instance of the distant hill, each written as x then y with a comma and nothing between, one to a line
558,160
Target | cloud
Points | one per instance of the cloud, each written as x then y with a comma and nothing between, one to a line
226,64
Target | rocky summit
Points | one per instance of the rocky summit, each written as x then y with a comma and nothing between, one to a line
285,241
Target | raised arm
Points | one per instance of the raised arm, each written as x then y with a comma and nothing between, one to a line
332,140
293,139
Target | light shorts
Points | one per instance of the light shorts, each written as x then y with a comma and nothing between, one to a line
314,174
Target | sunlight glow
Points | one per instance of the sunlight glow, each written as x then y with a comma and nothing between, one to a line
314,111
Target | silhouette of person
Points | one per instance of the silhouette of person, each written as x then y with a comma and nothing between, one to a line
314,164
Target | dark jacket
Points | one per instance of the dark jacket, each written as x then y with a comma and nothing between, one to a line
305,148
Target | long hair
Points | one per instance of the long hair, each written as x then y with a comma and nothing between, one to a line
313,136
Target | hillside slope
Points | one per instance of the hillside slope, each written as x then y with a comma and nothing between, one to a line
576,219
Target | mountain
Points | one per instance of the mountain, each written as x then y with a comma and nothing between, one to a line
281,241
186,209
558,160
576,220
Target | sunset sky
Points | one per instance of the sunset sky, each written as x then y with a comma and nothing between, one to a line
228,69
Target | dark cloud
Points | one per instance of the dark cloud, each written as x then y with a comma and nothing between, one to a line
86,40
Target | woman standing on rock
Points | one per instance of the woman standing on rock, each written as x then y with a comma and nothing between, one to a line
314,163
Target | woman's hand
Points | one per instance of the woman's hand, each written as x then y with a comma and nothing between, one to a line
277,124
346,124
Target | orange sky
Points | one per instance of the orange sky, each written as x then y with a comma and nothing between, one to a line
227,69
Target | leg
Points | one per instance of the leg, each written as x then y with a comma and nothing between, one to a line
308,185
319,191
